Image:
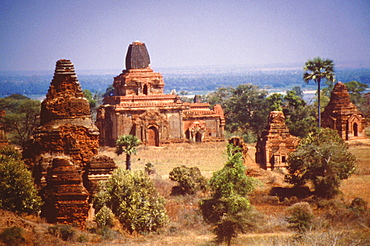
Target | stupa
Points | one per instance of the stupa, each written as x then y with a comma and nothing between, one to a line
63,147
342,115
275,143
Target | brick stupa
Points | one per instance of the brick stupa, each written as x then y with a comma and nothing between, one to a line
275,144
66,132
342,115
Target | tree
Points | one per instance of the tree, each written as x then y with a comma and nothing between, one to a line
298,91
22,117
299,117
317,70
246,109
355,88
299,216
17,189
89,96
109,91
219,97
127,144
229,209
133,199
322,158
190,179
275,101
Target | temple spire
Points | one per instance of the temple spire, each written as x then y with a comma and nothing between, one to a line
137,56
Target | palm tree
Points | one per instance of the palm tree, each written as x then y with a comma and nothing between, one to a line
316,70
127,144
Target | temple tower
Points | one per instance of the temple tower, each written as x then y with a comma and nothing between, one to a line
63,150
138,78
342,115
139,107
275,144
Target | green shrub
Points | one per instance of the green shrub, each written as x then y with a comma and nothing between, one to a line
322,158
149,168
104,217
12,236
133,199
17,189
190,180
300,216
229,210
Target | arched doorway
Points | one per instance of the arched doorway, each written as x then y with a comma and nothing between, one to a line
145,89
153,136
187,134
355,129
198,137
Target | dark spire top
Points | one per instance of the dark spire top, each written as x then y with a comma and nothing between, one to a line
137,56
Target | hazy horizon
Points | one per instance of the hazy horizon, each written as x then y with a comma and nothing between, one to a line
95,35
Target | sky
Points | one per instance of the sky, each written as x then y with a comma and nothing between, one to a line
94,34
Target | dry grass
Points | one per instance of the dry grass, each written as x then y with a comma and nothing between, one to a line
208,157
187,226
358,184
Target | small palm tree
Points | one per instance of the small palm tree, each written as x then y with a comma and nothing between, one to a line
316,70
127,144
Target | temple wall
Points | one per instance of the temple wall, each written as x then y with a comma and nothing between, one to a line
175,125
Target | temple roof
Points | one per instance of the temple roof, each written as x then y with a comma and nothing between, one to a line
137,56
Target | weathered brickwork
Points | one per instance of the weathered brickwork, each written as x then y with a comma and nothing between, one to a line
275,143
139,107
342,115
63,151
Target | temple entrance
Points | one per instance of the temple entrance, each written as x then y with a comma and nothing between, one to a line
198,137
153,136
145,89
355,129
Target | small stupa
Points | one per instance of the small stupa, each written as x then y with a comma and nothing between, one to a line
342,115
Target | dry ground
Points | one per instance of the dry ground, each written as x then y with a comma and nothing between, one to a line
187,226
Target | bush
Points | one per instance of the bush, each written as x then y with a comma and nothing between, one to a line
322,158
17,189
104,217
13,236
229,210
149,168
133,199
300,216
190,180
65,232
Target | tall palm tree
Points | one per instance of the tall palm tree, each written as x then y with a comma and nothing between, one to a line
127,144
316,70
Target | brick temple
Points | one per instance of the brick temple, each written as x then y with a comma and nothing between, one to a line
63,151
342,115
275,143
139,107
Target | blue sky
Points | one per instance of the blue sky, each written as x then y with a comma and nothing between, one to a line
95,34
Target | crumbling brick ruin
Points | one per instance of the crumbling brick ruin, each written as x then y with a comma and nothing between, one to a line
243,148
63,151
275,143
139,107
342,115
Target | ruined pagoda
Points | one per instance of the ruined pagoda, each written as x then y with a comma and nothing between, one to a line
139,107
275,143
63,151
342,115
